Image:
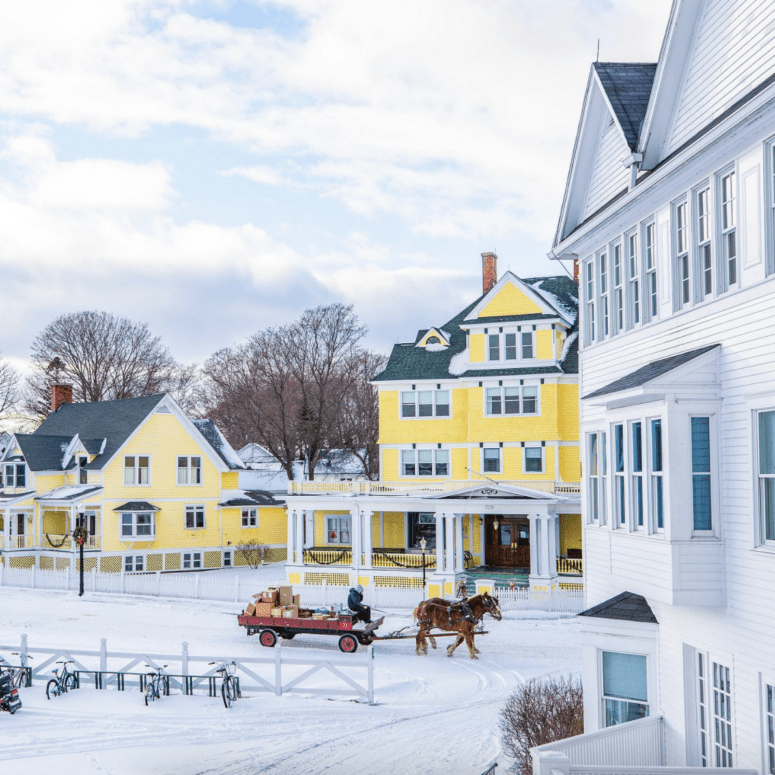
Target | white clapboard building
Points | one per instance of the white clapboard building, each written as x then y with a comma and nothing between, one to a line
669,214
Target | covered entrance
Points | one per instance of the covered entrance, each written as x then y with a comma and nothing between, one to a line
507,541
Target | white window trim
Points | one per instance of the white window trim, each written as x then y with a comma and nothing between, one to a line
635,475
15,465
723,284
614,648
651,474
678,301
633,281
500,459
135,536
417,475
230,554
612,249
699,269
189,468
136,469
133,558
715,512
195,507
589,289
416,392
195,553
769,206
326,517
502,388
517,331
616,523
533,445
647,313
602,258
249,516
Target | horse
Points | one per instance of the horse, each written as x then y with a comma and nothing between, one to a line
420,611
450,617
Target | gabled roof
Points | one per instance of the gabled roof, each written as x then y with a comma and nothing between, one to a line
625,606
136,506
488,490
216,440
650,372
70,492
114,421
627,86
42,452
250,498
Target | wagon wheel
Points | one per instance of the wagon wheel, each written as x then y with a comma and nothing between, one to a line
267,638
348,643
366,640
287,635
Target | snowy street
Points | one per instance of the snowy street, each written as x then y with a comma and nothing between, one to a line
433,714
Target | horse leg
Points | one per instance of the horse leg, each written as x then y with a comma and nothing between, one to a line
422,646
432,640
472,652
451,649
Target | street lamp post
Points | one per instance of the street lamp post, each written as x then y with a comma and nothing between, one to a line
422,546
80,534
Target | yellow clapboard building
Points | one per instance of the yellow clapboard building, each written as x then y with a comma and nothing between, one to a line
479,454
155,490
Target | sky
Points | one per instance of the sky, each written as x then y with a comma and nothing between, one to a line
214,168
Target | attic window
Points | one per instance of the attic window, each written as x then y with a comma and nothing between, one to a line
433,340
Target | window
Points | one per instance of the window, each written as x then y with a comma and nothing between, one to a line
603,467
702,708
637,473
192,560
137,469
83,474
769,724
494,347
651,271
728,231
227,559
512,400
422,526
249,517
425,403
195,517
527,345
594,477
510,346
491,460
625,693
433,340
657,497
510,341
133,563
15,475
766,443
603,284
425,462
701,506
189,470
590,287
534,460
682,268
633,274
704,251
722,716
618,289
620,503
139,525
338,530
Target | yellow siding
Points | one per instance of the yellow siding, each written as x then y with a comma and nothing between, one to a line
570,465
510,301
395,430
570,532
54,523
541,427
272,527
321,539
230,480
568,411
545,344
390,465
429,334
460,463
395,534
49,482
476,348
375,529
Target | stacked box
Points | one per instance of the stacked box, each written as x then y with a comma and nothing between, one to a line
271,596
277,611
263,609
297,600
250,610
290,612
286,595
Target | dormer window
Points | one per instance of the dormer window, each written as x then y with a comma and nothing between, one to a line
82,472
433,340
511,346
15,475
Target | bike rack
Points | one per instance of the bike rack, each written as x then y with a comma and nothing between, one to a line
187,683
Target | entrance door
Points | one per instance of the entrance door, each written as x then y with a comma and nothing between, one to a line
508,545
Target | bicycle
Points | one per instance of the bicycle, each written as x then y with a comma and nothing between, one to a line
62,682
155,683
21,677
229,684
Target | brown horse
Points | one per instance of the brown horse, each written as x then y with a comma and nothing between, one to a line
450,617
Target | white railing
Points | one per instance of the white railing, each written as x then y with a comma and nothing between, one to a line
570,567
415,488
189,672
236,589
16,542
599,770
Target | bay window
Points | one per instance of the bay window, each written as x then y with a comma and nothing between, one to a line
701,485
137,525
625,687
425,462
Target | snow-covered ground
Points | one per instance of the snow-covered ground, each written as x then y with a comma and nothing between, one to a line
433,714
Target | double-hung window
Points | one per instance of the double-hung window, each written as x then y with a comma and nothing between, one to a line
590,289
527,344
625,687
133,563
637,473
534,460
618,271
137,469
494,347
722,716
701,486
620,503
769,728
83,474
137,525
491,460
425,462
682,263
651,270
704,243
594,476
338,530
728,230
189,470
192,560
603,468
633,278
602,262
425,403
519,399
195,517
15,475
249,517
657,489
766,442
511,346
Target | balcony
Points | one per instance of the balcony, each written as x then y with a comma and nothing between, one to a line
419,488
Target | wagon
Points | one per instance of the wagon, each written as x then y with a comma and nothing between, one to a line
269,628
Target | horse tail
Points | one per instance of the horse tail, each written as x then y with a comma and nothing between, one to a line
415,615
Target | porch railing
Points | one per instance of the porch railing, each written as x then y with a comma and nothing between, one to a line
572,567
415,488
401,560
49,541
16,542
328,557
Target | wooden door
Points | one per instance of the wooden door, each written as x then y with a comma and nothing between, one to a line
508,546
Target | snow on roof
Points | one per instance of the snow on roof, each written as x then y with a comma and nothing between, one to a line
567,344
567,312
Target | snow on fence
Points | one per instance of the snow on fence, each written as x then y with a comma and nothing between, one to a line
213,586
280,673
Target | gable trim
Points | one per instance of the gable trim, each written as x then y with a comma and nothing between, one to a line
546,307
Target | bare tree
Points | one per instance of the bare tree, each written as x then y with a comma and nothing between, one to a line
540,711
103,356
9,387
284,388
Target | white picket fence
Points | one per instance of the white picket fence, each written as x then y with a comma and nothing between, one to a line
213,586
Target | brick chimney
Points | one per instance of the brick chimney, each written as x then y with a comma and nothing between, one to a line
61,394
489,271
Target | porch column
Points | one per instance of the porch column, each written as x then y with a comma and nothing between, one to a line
309,529
300,536
439,542
6,528
291,551
367,538
482,553
535,570
458,543
549,562
355,536
450,544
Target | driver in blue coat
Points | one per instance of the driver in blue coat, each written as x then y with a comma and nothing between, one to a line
355,604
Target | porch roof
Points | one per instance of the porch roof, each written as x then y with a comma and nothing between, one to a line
627,606
137,506
8,499
70,493
235,498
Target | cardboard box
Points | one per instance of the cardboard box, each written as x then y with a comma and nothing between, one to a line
263,609
286,595
297,600
270,596
250,610
290,612
278,611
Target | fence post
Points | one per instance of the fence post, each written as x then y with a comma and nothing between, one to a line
196,587
93,579
23,650
33,577
371,674
67,577
158,583
103,655
236,589
278,670
184,659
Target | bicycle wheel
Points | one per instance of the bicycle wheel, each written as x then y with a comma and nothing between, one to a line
150,692
226,692
233,690
69,682
52,688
